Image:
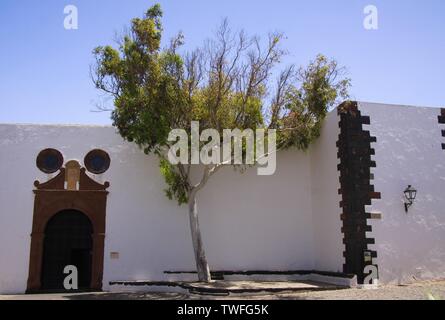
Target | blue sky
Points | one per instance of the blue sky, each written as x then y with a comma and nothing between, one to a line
44,69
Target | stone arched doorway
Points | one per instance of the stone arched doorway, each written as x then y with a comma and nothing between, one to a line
71,190
68,241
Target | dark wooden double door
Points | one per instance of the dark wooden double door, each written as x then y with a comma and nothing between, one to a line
68,241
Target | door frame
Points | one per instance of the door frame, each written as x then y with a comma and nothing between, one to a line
50,199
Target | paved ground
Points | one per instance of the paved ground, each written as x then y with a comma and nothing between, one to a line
417,291
224,287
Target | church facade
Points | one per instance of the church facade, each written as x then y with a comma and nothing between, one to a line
366,200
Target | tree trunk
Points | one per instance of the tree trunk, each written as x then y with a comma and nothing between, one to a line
200,257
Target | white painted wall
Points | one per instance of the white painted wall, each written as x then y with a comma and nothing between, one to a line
408,151
252,222
248,221
290,220
327,236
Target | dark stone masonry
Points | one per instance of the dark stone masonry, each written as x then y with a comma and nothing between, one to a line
442,121
354,152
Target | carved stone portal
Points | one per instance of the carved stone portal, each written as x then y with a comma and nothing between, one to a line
71,189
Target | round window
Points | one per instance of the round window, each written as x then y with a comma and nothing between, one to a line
49,160
97,161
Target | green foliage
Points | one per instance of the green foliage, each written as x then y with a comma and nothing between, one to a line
143,82
224,85
177,189
308,105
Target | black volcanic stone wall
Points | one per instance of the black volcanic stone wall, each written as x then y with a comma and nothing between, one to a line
354,152
442,121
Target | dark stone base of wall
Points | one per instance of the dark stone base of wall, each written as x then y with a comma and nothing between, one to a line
219,275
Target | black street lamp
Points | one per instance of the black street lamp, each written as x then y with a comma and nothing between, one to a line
410,195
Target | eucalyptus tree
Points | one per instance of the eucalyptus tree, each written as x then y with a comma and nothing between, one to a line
231,81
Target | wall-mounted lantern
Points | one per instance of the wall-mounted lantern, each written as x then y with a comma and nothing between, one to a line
410,195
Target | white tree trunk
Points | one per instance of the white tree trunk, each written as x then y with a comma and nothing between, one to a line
200,257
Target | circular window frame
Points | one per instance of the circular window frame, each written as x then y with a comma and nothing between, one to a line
42,156
94,153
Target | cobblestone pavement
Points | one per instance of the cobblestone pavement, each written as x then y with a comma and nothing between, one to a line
418,291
